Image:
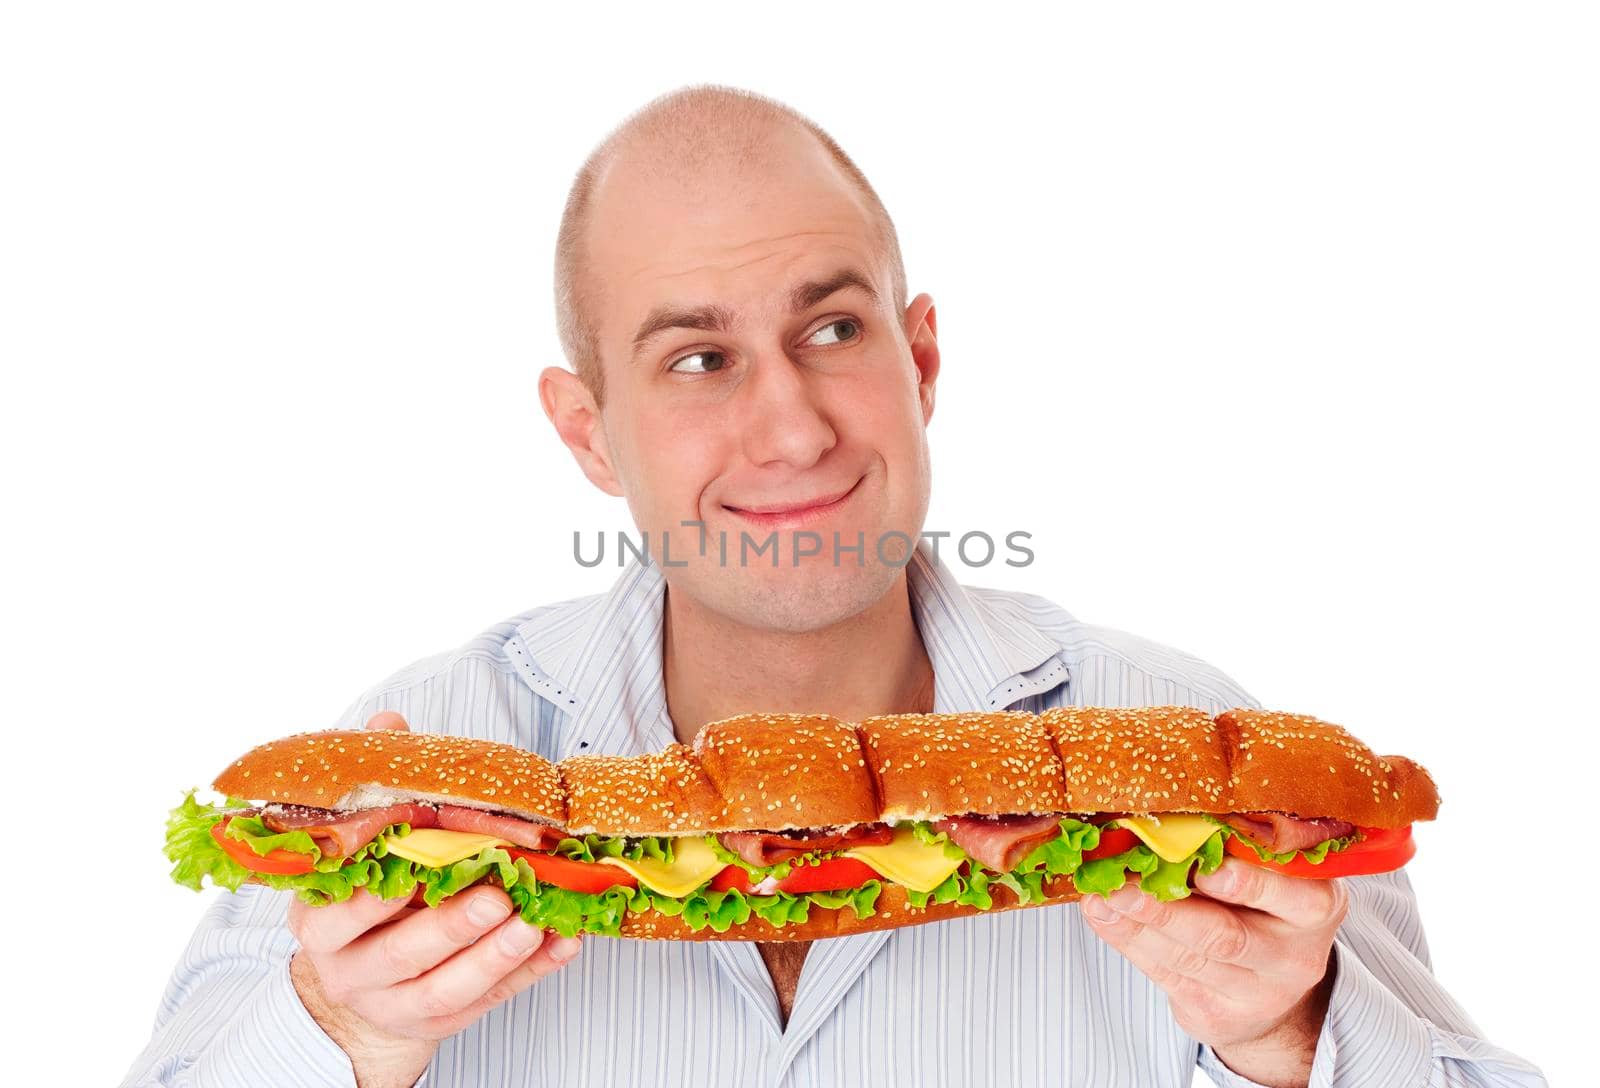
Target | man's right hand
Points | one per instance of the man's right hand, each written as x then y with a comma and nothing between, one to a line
387,981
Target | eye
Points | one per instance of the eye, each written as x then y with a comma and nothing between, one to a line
707,368
848,322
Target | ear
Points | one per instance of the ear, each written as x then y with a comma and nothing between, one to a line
572,410
921,327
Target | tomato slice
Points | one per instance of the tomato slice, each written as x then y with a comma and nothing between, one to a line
831,875
588,877
1113,841
732,878
281,862
1378,850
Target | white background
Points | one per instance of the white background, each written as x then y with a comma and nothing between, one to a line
1275,327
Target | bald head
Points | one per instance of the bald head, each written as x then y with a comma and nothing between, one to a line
676,141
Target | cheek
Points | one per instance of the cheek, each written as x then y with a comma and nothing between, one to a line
671,461
885,413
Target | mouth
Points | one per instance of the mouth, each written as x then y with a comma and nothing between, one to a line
795,515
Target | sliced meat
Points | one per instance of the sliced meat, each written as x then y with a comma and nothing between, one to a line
1000,842
339,834
770,847
523,833
1278,833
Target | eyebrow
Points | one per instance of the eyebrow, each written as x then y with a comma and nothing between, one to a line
715,318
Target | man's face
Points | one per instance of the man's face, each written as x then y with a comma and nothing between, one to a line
783,407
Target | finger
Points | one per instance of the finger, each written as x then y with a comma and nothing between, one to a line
1216,932
325,930
387,719
466,978
1210,1000
411,946
552,954
1161,957
1302,903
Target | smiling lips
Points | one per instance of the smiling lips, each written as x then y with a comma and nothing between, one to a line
794,515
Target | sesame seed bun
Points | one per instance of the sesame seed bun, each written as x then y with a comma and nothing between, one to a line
1144,759
1301,765
929,766
662,793
782,771
778,772
356,768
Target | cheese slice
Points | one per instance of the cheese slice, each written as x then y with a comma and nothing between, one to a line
435,847
920,866
1172,837
693,865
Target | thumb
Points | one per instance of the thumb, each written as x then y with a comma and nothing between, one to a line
387,719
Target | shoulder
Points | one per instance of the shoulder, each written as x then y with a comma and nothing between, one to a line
1108,666
479,677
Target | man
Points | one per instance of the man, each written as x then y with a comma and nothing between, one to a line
732,299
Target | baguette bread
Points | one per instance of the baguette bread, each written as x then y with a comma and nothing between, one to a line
781,772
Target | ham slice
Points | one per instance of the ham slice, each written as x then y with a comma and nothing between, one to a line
769,847
1000,842
524,833
1278,834
339,834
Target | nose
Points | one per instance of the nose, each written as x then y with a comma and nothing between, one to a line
783,414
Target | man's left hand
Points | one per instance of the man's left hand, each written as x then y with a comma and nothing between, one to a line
1246,965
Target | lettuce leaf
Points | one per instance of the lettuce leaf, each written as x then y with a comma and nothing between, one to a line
721,910
263,840
1105,875
566,912
333,880
1170,879
922,829
1064,853
1060,856
969,888
968,885
196,857
595,847
439,884
781,909
862,900
194,853
1166,880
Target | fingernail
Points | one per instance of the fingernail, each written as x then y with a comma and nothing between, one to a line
1097,908
519,939
486,910
1124,899
564,948
1223,880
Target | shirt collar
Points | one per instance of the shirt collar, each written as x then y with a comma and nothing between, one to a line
602,665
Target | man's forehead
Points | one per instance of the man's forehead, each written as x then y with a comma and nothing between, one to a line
799,273
657,239
759,265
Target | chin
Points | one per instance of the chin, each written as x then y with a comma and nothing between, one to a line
809,597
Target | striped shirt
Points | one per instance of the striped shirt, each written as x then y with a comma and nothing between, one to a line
1027,997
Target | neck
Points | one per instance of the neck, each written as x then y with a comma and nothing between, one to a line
872,663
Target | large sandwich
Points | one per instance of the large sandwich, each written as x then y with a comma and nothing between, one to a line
801,826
